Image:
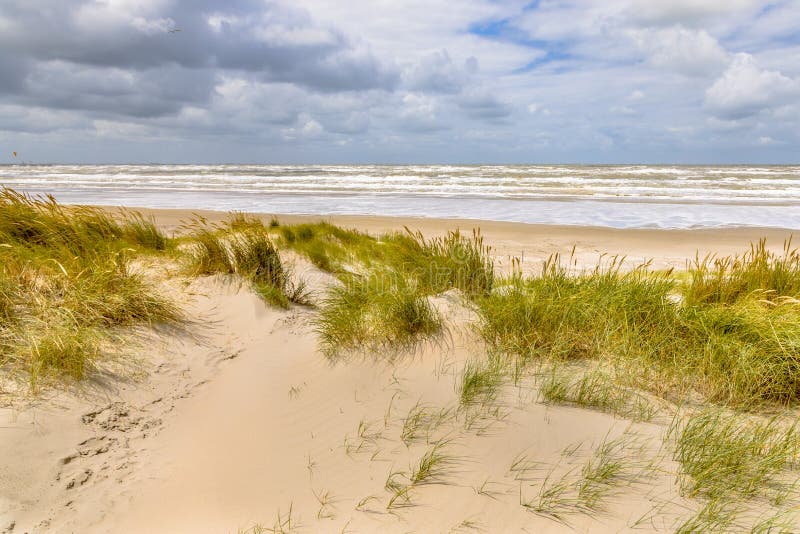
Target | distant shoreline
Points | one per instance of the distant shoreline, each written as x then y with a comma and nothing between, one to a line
614,196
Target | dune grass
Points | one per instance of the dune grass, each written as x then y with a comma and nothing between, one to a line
614,464
742,467
374,311
722,454
437,264
66,282
244,247
422,422
597,389
758,272
432,467
386,281
743,352
452,261
480,382
327,246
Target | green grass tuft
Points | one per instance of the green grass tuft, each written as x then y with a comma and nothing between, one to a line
442,263
722,455
745,353
66,280
480,382
141,231
386,281
375,311
248,252
758,272
596,389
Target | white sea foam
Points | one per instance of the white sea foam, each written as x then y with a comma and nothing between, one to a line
619,196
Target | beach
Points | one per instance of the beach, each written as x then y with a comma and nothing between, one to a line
235,421
312,266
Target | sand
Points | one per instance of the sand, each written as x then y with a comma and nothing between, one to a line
236,420
534,242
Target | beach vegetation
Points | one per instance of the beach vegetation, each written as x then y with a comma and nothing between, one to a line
245,248
421,423
67,280
743,352
431,468
452,261
567,490
758,273
385,281
380,309
724,455
480,382
596,389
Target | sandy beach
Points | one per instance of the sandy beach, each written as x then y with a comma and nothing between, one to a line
236,421
535,242
314,266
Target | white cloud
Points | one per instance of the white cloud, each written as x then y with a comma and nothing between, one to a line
690,52
437,72
153,26
746,89
480,103
421,113
364,80
685,11
307,128
311,128
409,30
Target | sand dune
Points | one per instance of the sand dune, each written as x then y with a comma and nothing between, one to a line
236,420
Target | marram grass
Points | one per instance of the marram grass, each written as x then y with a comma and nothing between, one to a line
66,281
722,454
385,282
759,273
743,352
245,248
436,264
378,310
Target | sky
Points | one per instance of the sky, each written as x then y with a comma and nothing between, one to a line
400,81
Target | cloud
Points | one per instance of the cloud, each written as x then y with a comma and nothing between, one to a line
270,41
306,128
689,52
668,12
766,140
745,89
436,72
623,110
479,103
366,81
146,93
356,122
421,113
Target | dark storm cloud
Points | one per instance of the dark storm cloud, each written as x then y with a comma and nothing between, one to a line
147,93
127,57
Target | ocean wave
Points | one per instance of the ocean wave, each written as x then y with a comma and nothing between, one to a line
436,190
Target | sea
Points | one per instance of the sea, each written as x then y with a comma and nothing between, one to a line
616,196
